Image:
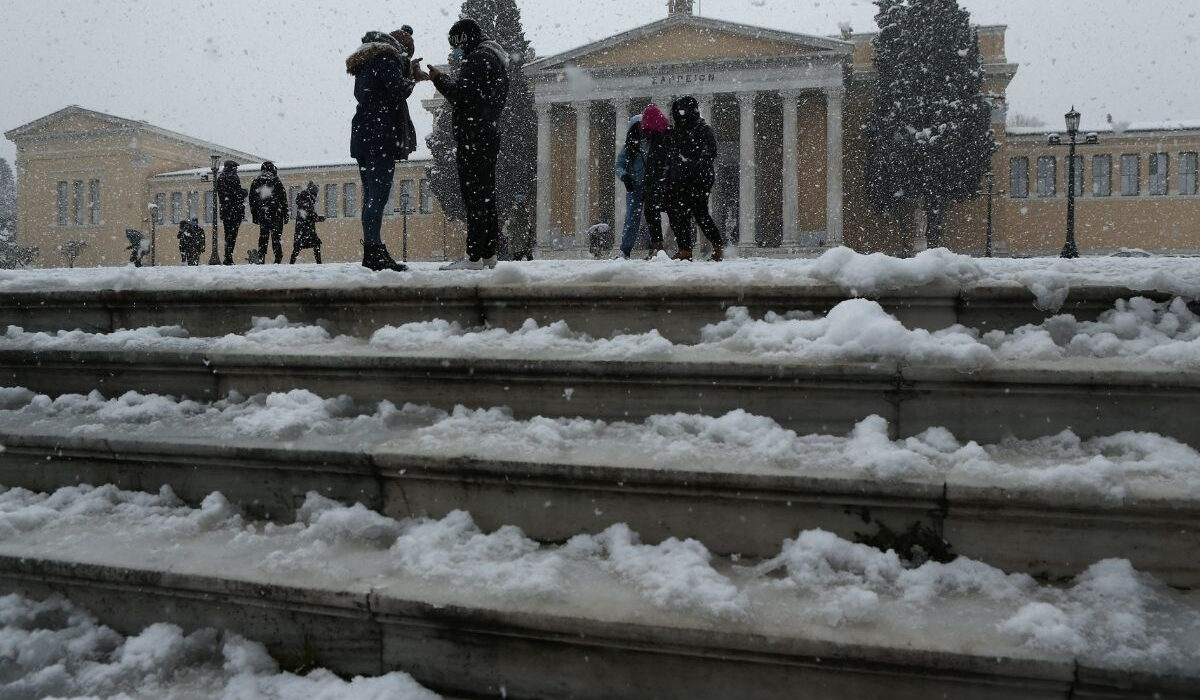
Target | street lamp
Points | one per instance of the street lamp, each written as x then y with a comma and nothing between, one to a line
991,193
153,209
1070,250
215,259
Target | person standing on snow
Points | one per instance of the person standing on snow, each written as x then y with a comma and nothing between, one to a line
656,185
191,241
691,175
476,97
382,131
307,219
631,170
269,209
519,227
232,198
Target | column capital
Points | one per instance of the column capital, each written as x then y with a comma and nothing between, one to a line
543,107
745,99
836,92
791,94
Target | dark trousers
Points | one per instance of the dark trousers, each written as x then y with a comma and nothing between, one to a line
272,231
476,157
654,208
377,175
316,253
231,232
687,206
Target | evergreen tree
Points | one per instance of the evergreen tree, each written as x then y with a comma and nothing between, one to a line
8,198
516,170
930,136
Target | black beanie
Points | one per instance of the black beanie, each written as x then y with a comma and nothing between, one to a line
465,33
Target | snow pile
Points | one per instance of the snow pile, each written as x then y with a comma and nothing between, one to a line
54,648
1111,615
875,273
530,340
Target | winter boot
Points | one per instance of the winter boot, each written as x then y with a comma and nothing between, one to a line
683,254
718,254
655,249
376,258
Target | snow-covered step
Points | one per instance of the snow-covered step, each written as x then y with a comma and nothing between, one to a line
1049,508
678,312
491,613
1091,397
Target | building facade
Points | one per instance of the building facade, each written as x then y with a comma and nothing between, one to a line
791,177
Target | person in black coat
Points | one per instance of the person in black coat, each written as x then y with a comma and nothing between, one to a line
656,186
191,241
382,131
232,199
269,209
691,172
307,219
476,96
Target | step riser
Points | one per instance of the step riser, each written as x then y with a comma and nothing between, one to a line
985,407
598,312
729,513
454,651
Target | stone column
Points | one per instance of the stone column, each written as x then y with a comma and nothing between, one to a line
834,98
747,194
706,112
583,166
544,166
791,177
621,124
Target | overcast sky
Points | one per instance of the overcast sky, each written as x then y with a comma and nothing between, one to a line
268,76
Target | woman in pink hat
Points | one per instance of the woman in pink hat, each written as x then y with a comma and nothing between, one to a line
655,128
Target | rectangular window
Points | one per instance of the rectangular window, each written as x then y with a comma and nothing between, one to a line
426,197
1018,177
94,200
1078,176
1187,173
1102,176
293,193
390,208
160,208
176,207
1159,171
208,207
193,205
1131,175
350,199
331,201
406,196
1047,168
63,204
80,203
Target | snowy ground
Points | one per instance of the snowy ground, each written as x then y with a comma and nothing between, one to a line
856,274
1123,467
818,585
53,648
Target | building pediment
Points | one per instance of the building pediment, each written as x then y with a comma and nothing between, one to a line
685,39
71,120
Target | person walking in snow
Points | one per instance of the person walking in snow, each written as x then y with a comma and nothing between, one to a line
232,199
269,209
631,170
691,174
191,241
307,219
382,131
519,228
476,96
656,183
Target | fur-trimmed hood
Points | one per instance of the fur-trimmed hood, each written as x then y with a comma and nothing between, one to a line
495,49
375,44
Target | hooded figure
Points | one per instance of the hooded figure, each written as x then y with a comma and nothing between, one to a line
691,174
191,241
269,209
381,133
656,186
476,96
307,219
631,170
231,197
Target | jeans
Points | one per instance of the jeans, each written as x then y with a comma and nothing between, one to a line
476,157
633,220
270,231
377,175
686,206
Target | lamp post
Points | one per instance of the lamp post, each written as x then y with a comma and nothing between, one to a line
1070,250
404,198
153,209
991,193
215,259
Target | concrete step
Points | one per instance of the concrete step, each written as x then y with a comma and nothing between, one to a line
749,512
598,643
678,312
1090,397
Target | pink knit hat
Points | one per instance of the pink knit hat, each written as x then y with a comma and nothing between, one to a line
654,121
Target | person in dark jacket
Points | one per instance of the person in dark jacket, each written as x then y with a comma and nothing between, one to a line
691,174
269,209
232,200
191,241
656,187
307,219
631,170
382,131
476,96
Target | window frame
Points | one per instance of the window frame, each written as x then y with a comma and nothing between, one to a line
193,205
1189,187
64,199
1160,174
1137,175
160,201
425,195
1047,181
350,199
1080,176
1014,191
80,203
176,207
332,191
1106,181
94,195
